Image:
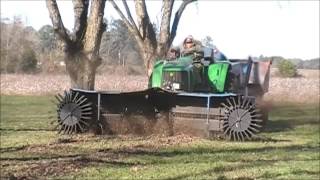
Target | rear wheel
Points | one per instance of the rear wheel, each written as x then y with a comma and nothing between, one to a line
242,120
74,113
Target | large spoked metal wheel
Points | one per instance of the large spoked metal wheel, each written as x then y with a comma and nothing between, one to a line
241,119
74,113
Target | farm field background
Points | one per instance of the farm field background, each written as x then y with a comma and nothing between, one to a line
289,147
302,89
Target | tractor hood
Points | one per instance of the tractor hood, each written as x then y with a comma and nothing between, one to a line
179,64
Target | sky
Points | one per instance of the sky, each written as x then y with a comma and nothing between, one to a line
238,28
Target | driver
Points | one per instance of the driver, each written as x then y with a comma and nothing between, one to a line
173,53
190,45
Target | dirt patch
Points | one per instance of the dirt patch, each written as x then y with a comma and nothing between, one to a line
138,124
51,161
44,169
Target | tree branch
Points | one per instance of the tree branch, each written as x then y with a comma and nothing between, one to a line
133,24
163,45
145,26
177,19
80,8
131,27
57,22
125,4
142,16
94,28
123,17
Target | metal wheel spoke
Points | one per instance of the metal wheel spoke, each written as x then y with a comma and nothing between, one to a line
86,105
237,135
233,135
81,128
85,118
75,97
226,131
86,113
241,135
60,100
61,97
80,99
85,123
234,102
253,129
256,125
86,109
256,116
66,96
248,135
231,106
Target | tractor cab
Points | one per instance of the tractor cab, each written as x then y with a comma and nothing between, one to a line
196,72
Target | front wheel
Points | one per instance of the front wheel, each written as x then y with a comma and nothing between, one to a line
242,119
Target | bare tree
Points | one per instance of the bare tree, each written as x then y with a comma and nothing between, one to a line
144,33
81,47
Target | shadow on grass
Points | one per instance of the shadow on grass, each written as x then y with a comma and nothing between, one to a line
12,149
116,153
53,166
200,151
61,140
260,138
273,175
39,158
117,158
75,158
26,129
287,117
217,171
288,124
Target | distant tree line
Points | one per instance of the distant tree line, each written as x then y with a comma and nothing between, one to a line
26,50
18,47
299,63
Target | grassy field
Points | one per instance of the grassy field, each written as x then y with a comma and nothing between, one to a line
31,149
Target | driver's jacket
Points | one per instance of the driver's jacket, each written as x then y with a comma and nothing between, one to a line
198,48
187,51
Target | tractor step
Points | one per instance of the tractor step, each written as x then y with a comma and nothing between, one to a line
197,121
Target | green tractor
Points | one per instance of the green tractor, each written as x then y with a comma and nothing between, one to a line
190,74
195,94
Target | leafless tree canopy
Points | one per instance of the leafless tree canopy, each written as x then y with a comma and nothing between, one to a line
143,31
83,43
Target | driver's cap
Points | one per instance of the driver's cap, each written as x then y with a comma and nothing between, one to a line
188,39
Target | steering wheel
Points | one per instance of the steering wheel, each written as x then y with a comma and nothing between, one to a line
197,57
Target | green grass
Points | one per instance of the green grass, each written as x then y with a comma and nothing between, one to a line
29,148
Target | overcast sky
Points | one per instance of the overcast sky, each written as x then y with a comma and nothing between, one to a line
238,28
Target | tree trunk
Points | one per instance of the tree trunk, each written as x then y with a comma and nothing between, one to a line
149,57
82,45
81,70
